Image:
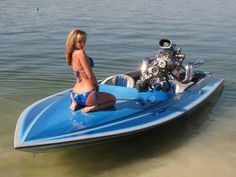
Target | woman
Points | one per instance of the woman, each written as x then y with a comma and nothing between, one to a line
85,92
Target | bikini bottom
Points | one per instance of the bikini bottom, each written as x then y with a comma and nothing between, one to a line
80,99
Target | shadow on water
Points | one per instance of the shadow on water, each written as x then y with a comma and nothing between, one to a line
156,142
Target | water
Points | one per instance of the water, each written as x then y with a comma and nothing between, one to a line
121,33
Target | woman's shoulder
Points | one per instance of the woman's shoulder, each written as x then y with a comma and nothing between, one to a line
79,55
80,52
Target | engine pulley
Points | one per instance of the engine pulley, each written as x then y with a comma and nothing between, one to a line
162,64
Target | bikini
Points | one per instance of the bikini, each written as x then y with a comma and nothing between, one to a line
80,99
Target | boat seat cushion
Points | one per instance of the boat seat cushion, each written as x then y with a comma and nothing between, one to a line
119,80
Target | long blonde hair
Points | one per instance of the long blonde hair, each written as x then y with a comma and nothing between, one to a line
73,37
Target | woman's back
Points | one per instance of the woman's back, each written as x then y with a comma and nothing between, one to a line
83,72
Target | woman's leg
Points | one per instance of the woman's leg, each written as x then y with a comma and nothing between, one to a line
73,105
99,100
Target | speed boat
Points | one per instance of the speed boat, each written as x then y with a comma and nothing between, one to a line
163,89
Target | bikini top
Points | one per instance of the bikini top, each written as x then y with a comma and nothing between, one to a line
77,73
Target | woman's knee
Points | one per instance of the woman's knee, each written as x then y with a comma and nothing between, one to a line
113,98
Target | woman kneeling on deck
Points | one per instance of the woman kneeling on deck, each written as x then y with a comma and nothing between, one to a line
85,92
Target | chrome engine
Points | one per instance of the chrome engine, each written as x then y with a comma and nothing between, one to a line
166,65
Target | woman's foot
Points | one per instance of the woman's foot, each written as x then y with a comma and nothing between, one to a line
98,107
88,109
73,106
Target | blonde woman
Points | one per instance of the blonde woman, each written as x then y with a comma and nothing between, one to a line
85,92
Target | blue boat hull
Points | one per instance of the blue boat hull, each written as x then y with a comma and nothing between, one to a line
48,123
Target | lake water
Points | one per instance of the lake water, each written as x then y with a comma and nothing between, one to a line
120,34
